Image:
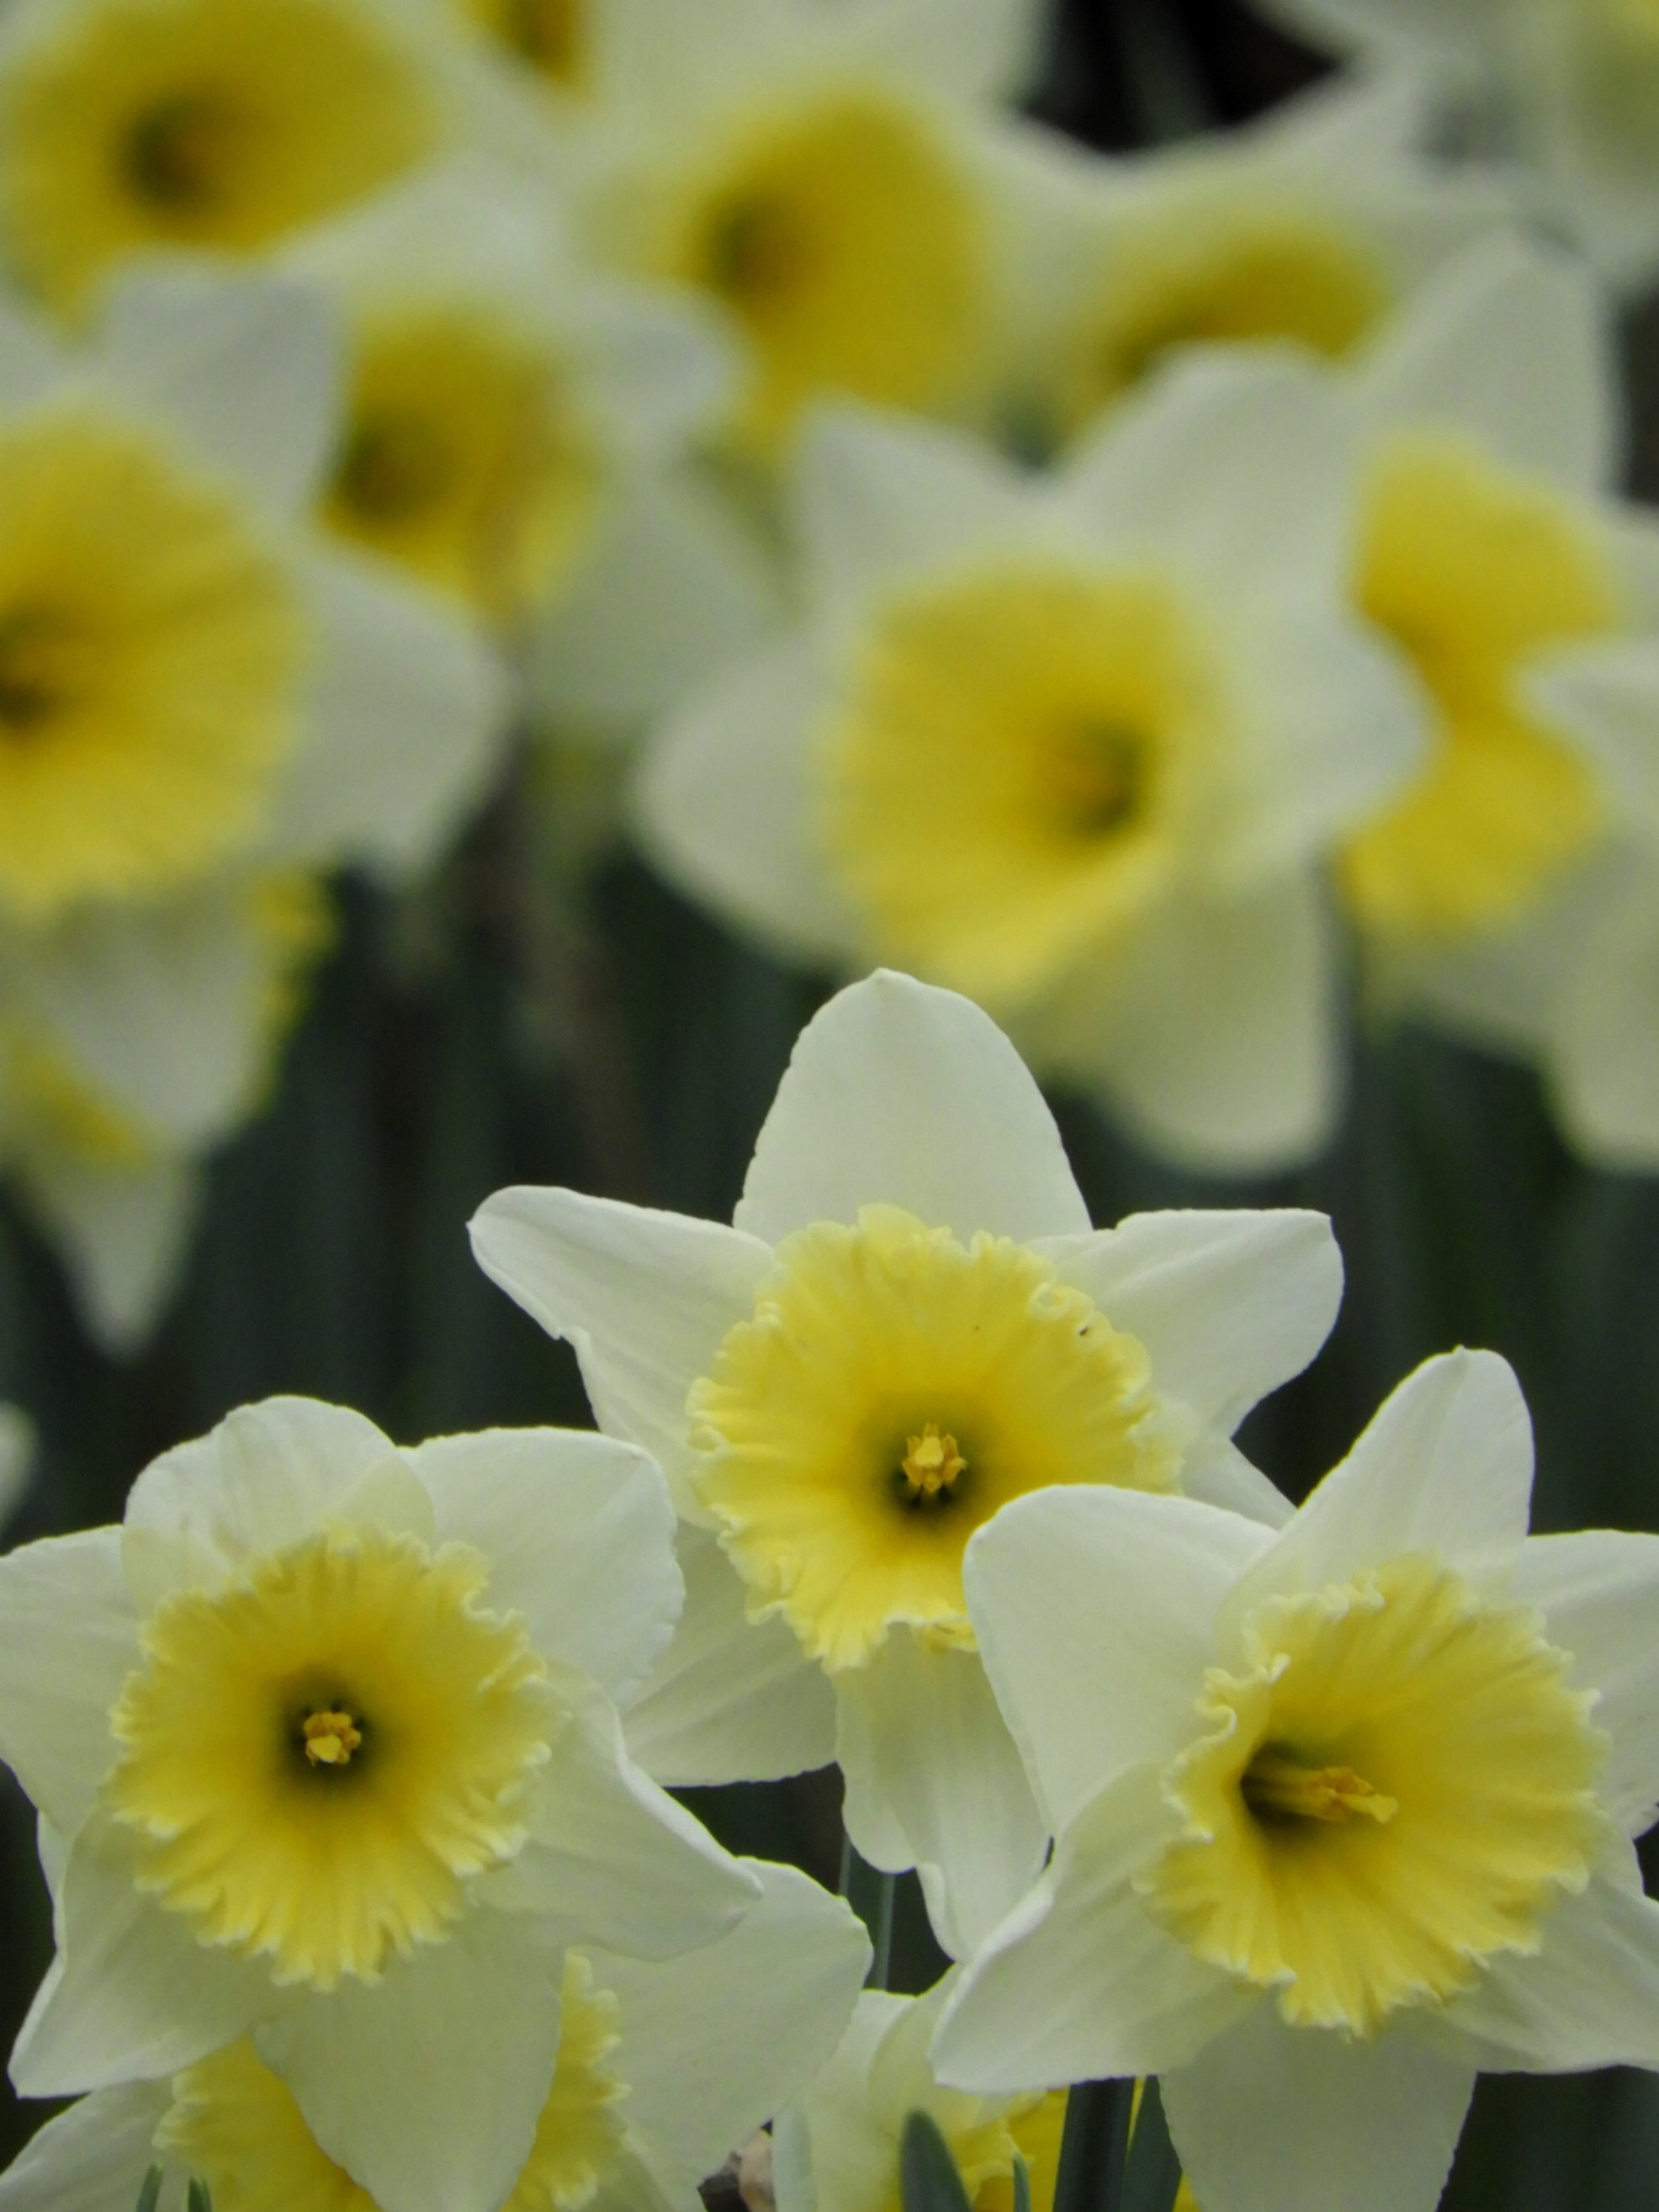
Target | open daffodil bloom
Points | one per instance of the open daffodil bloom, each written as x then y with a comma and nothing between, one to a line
909,1325
348,1763
639,2104
894,1389
315,1760
1343,1812
220,123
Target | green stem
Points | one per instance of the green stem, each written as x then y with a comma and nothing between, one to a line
1093,2147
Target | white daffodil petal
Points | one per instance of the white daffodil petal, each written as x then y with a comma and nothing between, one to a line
1336,723
1229,1305
1444,1467
1078,1981
645,1298
972,50
267,1477
900,1094
1512,343
1216,1043
1606,694
580,1534
91,2158
1588,1996
427,2085
669,590
666,366
245,370
714,2041
1598,1593
924,1752
123,1235
731,1699
723,802
833,2150
407,704
69,1638
1139,1581
1603,1040
879,495
161,1005
136,1996
1271,2118
1215,1471
612,1859
1238,466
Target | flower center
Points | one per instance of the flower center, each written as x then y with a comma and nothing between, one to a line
930,1467
331,1737
149,652
466,457
1035,730
219,123
270,1811
846,1505
840,233
1277,1786
1396,1787
1471,567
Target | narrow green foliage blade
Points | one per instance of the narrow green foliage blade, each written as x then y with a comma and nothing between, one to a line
1021,2184
928,2180
199,2199
1152,2171
1093,2146
871,1893
150,2191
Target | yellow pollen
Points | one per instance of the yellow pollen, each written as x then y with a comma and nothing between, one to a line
330,1738
931,1465
1276,1786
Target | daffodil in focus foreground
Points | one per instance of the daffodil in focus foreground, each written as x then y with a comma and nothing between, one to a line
663,2066
910,1323
324,1752
1074,746
1343,1812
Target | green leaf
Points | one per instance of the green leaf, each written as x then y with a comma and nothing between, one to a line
199,2199
1152,2171
1093,2146
150,2191
1021,2184
870,1893
928,2180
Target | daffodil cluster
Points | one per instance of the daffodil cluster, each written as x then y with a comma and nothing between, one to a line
349,1758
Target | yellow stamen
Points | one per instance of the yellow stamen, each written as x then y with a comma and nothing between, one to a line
330,1738
931,1465
1276,1786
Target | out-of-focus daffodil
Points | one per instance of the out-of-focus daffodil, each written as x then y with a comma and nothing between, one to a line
910,1323
1309,228
1076,746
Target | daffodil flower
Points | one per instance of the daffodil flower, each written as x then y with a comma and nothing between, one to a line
663,2067
1309,228
837,2145
195,693
1075,746
817,174
1343,1812
1505,891
325,1751
910,1322
1570,87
